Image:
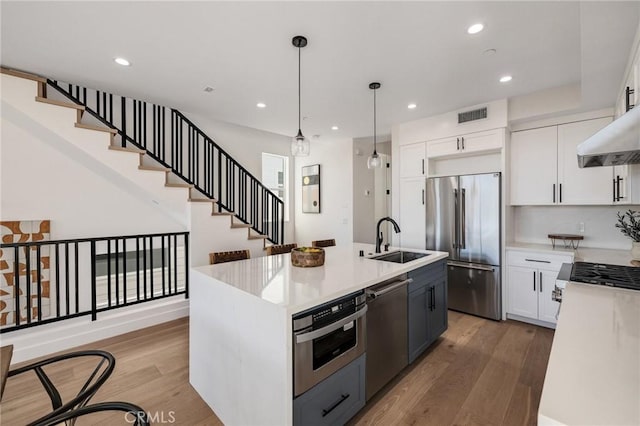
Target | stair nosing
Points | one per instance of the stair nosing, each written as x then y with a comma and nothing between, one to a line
127,149
202,200
96,128
178,185
60,103
155,168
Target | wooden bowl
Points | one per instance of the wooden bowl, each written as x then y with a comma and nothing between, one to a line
306,257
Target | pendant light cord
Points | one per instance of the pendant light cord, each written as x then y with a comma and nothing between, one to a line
299,92
374,121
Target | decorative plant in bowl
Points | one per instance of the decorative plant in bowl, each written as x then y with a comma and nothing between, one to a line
629,225
306,257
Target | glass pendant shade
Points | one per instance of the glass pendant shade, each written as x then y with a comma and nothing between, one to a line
300,146
374,161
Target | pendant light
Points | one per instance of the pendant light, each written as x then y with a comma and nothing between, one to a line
374,159
299,144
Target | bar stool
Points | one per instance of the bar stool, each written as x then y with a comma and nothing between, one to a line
281,249
323,243
228,256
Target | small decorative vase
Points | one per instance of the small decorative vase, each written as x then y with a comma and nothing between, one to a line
635,250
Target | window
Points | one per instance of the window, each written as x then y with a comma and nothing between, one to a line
275,177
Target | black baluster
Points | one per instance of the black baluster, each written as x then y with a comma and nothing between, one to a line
109,273
39,283
94,303
16,284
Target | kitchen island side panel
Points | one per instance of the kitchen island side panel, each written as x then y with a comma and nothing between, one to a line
239,354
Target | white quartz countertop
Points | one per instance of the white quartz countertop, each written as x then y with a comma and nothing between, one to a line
274,279
593,375
582,254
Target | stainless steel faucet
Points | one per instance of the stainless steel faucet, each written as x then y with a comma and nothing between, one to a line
396,228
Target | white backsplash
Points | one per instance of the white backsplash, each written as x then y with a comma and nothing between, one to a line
532,224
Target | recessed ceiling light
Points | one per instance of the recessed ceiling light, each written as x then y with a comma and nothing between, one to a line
505,78
334,127
122,61
475,28
261,105
412,106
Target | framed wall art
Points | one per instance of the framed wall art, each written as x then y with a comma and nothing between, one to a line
311,189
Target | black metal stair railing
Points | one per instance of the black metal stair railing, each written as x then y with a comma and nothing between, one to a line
173,141
49,278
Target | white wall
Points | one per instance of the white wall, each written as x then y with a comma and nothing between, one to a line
44,177
246,146
335,157
532,224
365,192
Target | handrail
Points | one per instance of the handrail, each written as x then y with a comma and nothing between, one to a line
70,278
236,190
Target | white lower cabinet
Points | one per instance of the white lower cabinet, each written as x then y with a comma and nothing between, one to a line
531,278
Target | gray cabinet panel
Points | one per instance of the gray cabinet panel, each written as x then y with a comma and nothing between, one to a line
427,307
334,400
438,319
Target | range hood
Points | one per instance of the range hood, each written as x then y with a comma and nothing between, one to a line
618,143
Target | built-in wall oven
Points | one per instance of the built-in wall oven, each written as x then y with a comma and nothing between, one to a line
326,338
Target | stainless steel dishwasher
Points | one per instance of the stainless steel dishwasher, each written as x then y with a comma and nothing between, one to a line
387,347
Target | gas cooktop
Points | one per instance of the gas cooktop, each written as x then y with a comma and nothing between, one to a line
603,274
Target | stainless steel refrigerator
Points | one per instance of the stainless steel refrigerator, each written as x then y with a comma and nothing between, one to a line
463,218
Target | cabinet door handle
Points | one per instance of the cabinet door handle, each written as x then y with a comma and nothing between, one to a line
423,197
433,297
618,180
534,280
343,397
462,138
540,283
536,260
614,191
560,192
423,166
554,192
458,143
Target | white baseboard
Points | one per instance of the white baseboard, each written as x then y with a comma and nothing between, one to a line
46,339
531,321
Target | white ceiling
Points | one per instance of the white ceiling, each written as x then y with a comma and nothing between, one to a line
419,51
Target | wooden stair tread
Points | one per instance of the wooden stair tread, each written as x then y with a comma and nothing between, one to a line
97,128
59,103
126,149
240,225
22,74
178,185
258,237
222,214
154,168
202,200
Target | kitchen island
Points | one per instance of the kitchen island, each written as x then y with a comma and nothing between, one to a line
240,331
593,375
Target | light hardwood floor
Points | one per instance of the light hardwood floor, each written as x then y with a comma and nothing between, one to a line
480,372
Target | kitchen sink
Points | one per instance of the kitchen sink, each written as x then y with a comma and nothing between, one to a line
399,256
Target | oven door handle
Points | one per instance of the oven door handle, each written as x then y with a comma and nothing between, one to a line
310,335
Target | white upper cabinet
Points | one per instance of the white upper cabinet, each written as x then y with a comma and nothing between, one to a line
412,161
544,167
591,185
468,144
412,213
534,169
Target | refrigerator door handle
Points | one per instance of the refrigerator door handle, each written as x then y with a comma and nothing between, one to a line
463,220
455,219
487,268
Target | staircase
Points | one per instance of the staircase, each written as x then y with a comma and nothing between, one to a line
167,142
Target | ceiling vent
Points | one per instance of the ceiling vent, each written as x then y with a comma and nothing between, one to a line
476,114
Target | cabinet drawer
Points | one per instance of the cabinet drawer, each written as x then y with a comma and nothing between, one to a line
429,273
537,260
334,400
